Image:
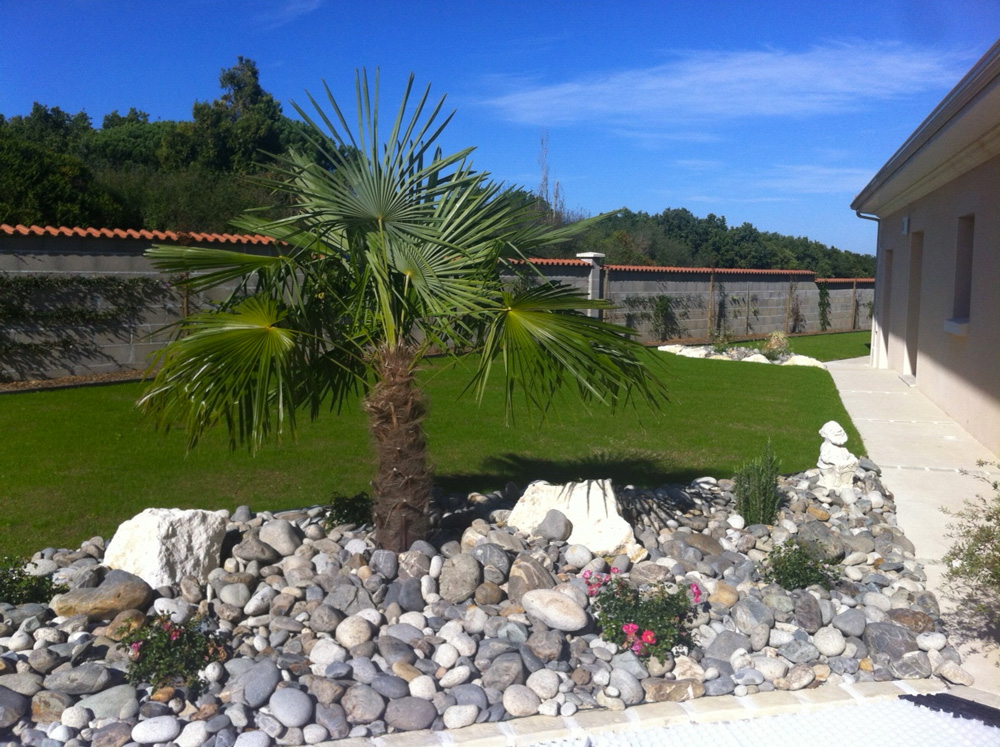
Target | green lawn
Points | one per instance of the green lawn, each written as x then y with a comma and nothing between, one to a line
77,462
831,347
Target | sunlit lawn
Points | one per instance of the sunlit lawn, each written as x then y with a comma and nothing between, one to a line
77,462
828,347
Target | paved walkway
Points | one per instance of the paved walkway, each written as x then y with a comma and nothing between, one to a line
922,453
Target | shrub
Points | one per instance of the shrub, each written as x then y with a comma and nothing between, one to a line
721,341
756,489
168,653
973,561
356,509
775,346
17,586
792,566
650,623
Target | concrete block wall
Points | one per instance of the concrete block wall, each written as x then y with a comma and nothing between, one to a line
702,300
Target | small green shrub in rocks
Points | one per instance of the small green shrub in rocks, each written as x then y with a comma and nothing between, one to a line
356,509
649,623
792,566
775,346
973,561
756,489
168,653
17,586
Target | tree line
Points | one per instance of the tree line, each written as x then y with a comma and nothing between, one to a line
56,168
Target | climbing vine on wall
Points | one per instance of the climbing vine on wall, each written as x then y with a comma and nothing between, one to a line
824,306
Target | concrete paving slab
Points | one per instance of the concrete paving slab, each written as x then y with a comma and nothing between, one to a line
924,456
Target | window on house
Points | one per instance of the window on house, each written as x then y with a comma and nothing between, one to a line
963,268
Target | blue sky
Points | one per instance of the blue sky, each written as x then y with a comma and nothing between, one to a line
776,113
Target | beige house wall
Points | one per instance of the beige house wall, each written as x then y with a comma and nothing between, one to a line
917,259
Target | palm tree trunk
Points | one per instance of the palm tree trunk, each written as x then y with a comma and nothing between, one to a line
402,484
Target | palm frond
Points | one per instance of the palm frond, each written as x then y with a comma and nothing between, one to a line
229,367
542,343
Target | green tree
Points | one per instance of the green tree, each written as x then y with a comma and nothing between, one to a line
39,186
393,254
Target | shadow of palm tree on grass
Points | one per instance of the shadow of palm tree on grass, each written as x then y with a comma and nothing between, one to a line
629,467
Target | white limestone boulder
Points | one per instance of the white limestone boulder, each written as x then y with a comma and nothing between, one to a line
162,545
756,358
804,360
592,509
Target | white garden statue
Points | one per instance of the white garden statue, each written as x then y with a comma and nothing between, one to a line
836,464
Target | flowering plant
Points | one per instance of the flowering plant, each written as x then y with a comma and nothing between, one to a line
167,653
649,623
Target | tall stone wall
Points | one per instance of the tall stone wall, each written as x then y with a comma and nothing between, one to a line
660,303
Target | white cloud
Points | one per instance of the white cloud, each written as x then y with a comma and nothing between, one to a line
705,86
813,179
282,12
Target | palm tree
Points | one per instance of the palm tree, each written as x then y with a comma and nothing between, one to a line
394,252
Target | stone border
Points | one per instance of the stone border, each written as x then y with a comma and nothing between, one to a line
593,722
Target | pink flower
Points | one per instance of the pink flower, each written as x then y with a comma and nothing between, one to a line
175,634
696,593
615,570
630,629
586,574
648,636
637,647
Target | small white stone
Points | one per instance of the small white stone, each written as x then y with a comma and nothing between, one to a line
458,716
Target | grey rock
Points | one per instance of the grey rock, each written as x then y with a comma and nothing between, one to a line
807,612
578,555
82,680
384,562
253,739
13,707
333,718
26,684
362,705
817,537
490,554
156,730
114,734
629,689
410,714
504,671
555,609
291,707
799,652
520,701
751,612
629,662
282,535
252,548
889,642
726,644
470,694
325,619
111,703
259,683
390,686
555,526
459,578
850,622
527,574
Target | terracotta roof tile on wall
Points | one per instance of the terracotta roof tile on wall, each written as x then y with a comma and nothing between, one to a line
727,270
131,233
845,280
542,262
